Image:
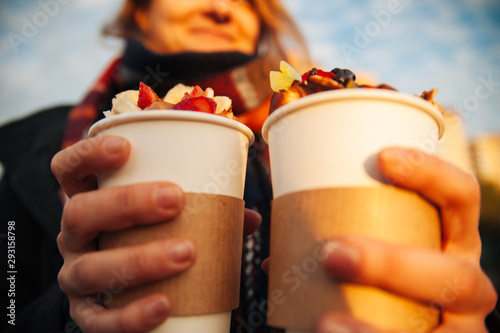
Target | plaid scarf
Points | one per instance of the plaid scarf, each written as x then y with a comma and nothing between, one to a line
83,115
245,81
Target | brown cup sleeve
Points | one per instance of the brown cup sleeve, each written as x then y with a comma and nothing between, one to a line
301,221
215,224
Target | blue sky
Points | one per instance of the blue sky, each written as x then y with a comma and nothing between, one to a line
453,45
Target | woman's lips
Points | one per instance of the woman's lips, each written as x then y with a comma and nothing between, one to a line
213,33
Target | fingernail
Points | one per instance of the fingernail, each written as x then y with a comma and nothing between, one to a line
168,197
342,258
114,145
392,153
157,308
180,252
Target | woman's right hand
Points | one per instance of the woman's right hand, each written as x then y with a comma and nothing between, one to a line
89,211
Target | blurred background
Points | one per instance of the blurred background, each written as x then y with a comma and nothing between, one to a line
51,51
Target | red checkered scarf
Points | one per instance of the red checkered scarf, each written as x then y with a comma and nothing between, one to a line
84,114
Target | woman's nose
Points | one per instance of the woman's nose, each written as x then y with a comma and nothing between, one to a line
219,11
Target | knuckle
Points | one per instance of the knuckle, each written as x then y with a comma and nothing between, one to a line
54,163
468,282
471,189
389,266
80,313
491,296
60,243
74,313
61,279
126,325
125,198
73,211
63,162
83,274
85,313
136,202
139,261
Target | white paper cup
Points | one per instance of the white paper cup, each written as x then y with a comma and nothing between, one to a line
200,152
330,138
323,146
206,156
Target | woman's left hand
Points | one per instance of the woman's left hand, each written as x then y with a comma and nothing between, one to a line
451,279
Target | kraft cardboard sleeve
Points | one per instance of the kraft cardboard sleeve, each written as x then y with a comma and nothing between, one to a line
300,223
215,224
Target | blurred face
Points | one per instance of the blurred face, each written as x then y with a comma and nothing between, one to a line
173,26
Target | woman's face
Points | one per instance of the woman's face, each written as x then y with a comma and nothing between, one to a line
173,26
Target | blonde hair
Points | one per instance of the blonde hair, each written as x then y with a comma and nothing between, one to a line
279,38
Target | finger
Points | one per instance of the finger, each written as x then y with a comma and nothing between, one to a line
110,270
265,265
139,316
85,215
75,166
454,191
447,282
337,322
252,222
457,322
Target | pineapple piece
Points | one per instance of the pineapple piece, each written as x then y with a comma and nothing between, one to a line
283,79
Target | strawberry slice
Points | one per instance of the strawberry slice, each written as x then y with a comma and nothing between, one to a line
304,77
196,92
147,96
316,71
202,104
325,74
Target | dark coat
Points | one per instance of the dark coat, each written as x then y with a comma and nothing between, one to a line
29,197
